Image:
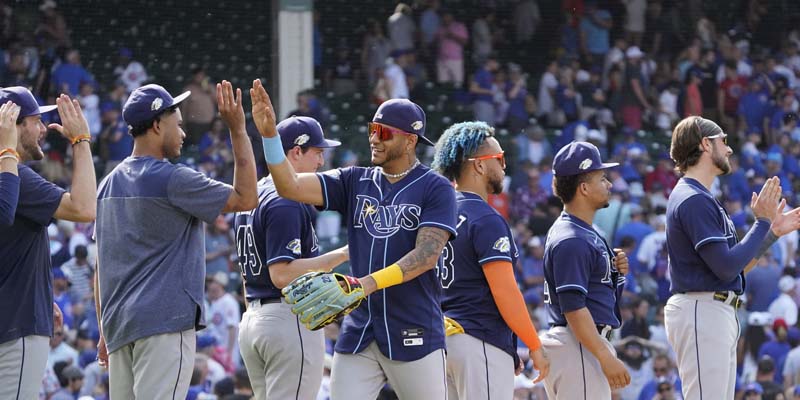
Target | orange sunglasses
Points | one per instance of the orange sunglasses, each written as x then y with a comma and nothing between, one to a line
384,132
499,156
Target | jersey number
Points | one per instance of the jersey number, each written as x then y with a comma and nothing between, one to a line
446,268
249,261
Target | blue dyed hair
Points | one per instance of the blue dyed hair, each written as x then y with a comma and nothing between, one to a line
458,143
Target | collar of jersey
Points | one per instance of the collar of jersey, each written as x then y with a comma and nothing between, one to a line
695,183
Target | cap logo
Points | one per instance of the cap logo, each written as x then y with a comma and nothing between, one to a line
378,116
417,125
156,104
301,140
585,164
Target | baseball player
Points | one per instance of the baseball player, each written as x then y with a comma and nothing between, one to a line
276,244
9,173
707,262
482,303
401,213
27,311
583,282
151,255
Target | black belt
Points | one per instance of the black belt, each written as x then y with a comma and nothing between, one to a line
730,298
269,301
602,330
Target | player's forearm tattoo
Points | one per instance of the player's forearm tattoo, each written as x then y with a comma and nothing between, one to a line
428,248
766,243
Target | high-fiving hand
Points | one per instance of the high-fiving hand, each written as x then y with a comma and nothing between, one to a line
230,107
765,204
8,125
263,112
73,123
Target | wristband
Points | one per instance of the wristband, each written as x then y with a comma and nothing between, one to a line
273,150
8,153
389,276
81,138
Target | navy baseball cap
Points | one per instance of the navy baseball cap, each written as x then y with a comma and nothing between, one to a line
303,132
147,102
24,99
405,115
578,158
753,387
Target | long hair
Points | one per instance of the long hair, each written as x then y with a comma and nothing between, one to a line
685,147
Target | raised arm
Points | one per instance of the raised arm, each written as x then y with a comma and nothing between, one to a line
426,252
304,188
245,193
80,203
9,176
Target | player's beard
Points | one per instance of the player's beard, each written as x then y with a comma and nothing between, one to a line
721,161
390,154
29,141
496,184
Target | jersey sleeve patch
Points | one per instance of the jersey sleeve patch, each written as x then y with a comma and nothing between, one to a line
502,245
294,246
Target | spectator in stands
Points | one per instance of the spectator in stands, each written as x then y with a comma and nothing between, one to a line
637,355
219,246
61,296
70,74
533,264
765,376
451,38
224,317
752,391
786,105
90,103
547,92
429,24
71,380
374,52
114,141
343,73
129,71
526,18
79,273
638,325
308,106
519,100
762,283
483,90
199,386
634,92
569,102
394,75
199,109
693,98
60,350
635,20
482,45
777,347
731,89
216,153
754,107
533,145
53,27
595,28
784,306
241,386
665,378
401,28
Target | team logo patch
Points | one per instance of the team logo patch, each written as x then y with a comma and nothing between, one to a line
585,164
301,140
294,246
417,125
502,245
378,116
156,104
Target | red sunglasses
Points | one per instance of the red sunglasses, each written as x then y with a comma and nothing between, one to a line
499,156
385,132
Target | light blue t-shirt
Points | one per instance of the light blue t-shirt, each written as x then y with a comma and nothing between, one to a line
151,247
597,41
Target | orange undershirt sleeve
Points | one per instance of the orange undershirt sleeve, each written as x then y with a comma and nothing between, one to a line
506,294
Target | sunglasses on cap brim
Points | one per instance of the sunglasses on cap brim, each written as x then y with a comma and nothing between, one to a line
385,132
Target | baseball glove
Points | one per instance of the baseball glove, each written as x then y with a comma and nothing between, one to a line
320,298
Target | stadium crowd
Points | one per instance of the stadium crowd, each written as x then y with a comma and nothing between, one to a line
620,75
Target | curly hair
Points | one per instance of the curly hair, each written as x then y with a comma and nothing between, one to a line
458,143
685,147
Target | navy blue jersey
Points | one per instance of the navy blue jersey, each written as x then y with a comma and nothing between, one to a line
483,237
382,222
277,230
26,283
695,218
577,258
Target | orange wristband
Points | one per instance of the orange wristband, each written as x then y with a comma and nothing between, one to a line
10,151
81,138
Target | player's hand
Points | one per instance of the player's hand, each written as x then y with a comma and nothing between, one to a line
8,125
785,222
540,363
230,107
765,204
620,261
263,112
102,352
58,316
520,364
615,371
73,123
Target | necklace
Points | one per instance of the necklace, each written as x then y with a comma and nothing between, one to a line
401,174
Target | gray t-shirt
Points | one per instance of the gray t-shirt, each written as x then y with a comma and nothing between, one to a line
151,250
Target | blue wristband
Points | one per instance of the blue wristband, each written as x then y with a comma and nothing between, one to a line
273,150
